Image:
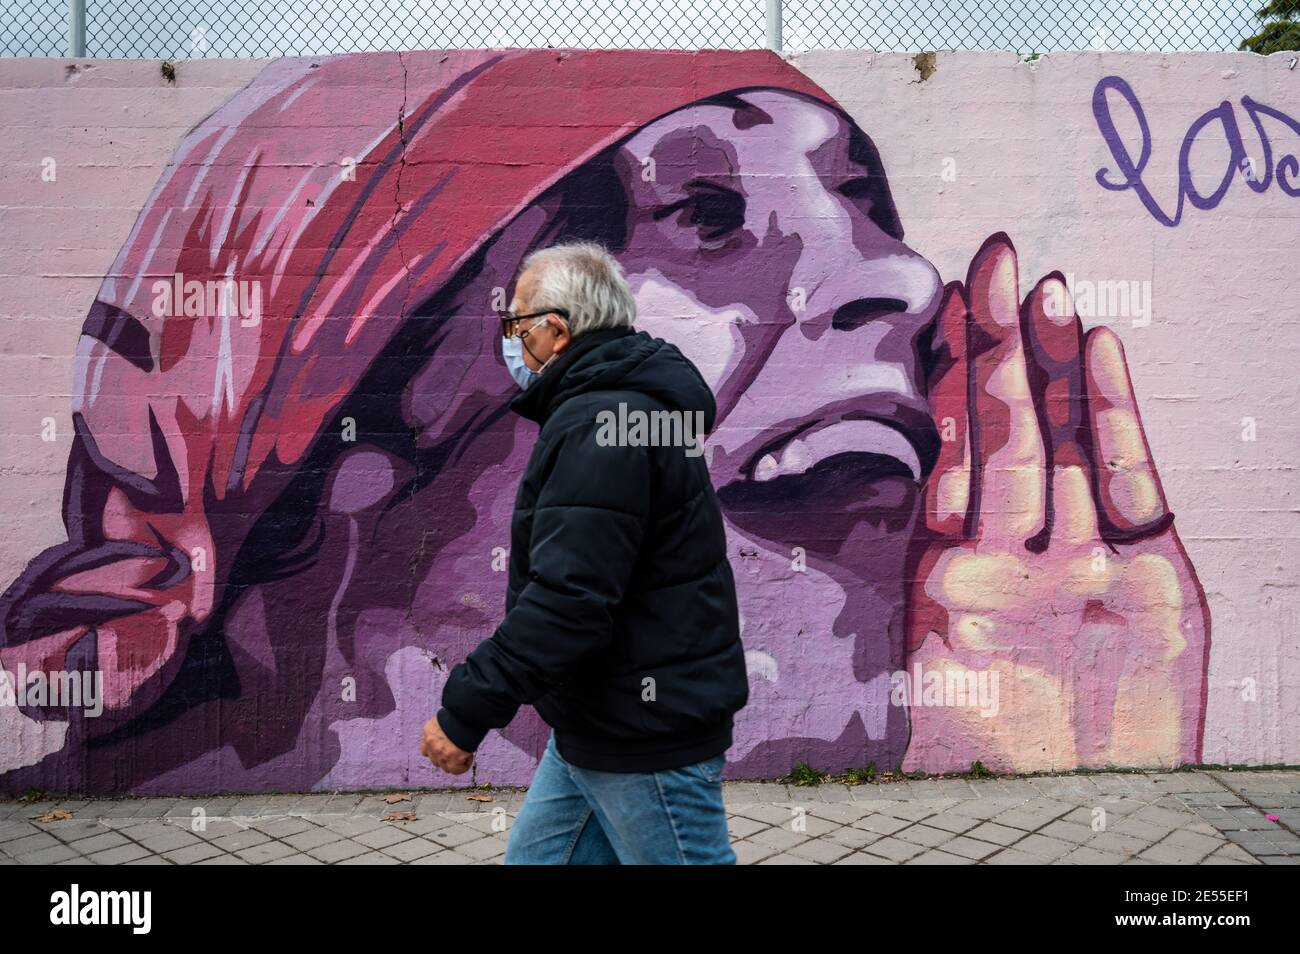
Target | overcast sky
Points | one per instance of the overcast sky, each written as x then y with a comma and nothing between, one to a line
285,27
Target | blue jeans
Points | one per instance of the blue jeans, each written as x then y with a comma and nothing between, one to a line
578,816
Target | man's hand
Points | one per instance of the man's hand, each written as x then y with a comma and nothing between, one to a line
442,752
1048,558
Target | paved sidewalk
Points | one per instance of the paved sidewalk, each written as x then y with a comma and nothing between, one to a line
1203,817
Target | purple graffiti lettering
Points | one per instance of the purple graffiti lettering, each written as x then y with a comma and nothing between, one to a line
1131,171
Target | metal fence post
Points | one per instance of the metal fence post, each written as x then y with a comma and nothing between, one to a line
774,27
76,27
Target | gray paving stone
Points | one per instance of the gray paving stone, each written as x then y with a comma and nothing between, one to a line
427,824
1117,843
371,858
741,827
240,840
854,838
1087,855
840,812
296,859
337,851
410,850
120,855
1072,787
1044,847
995,834
97,843
881,824
1010,856
382,837
924,835
448,857
13,830
893,849
1149,818
984,808
862,858
778,814
51,855
168,841
280,805
266,852
192,854
952,822
214,807
918,810
820,851
349,826
969,848
832,793
453,836
282,826
778,839
483,849
936,857
1067,831
1167,854
312,838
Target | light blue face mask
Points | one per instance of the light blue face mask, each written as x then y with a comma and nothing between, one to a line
512,349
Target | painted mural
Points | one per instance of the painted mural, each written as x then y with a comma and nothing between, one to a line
290,484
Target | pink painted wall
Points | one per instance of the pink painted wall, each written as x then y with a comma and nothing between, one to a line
1127,641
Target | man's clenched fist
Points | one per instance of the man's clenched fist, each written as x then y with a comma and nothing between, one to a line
442,752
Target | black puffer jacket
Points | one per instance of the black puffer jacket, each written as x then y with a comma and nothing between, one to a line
621,625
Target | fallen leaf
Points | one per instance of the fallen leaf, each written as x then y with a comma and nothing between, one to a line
396,797
400,816
480,798
53,815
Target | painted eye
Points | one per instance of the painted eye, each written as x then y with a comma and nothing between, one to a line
713,209
870,195
858,188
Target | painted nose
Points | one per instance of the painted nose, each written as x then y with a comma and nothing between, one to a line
861,311
898,287
869,276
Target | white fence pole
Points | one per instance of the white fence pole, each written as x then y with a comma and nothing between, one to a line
76,27
774,27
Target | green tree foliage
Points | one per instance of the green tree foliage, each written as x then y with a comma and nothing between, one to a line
1280,29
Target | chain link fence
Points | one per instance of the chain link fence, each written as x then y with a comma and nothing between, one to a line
173,29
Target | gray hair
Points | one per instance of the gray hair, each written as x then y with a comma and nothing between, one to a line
585,280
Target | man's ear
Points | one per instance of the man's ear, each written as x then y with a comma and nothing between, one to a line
562,337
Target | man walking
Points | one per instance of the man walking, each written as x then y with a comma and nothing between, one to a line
621,624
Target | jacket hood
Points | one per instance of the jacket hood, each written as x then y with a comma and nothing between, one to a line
619,359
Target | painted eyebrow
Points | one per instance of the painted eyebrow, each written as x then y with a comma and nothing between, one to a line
856,141
121,332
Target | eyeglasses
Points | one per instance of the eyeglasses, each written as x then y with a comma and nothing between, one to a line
510,321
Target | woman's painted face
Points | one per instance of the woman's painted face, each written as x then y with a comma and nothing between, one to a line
763,241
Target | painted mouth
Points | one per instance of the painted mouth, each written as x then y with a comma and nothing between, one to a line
840,463
801,452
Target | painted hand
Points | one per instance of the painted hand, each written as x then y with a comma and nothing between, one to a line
442,752
1049,577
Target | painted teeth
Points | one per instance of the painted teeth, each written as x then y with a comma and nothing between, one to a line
809,449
